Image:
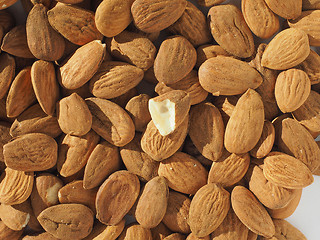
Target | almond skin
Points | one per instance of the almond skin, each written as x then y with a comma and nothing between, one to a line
240,137
311,67
183,172
230,30
8,233
208,209
171,63
279,56
289,10
204,52
7,72
135,232
17,216
215,76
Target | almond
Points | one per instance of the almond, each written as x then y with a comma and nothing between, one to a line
6,3
116,196
191,236
209,3
44,235
7,72
240,137
279,56
4,137
206,130
208,209
183,172
204,52
8,233
17,216
289,10
251,213
310,4
160,232
175,236
215,76
152,16
135,232
311,67
230,30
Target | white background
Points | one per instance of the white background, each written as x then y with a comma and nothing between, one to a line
307,216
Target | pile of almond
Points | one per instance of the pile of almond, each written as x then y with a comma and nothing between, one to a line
219,149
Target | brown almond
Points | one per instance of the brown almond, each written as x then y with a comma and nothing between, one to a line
204,52
251,213
15,186
111,121
230,30
209,3
31,152
310,4
259,17
286,171
192,236
152,204
112,17
17,216
184,173
79,69
7,20
103,161
252,236
226,105
8,233
311,67
101,231
160,232
152,16
206,130
176,217
215,76
135,232
74,23
74,152
4,137
116,196
49,45
40,236
114,78
175,236
34,120
208,209
240,137
67,221
287,49
292,89
289,10
7,73
175,59
192,25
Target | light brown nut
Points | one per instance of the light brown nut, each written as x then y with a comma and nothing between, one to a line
74,152
175,236
226,105
49,45
311,67
207,51
111,121
291,9
7,73
251,213
31,152
206,130
4,137
215,76
103,232
184,173
152,15
269,194
192,236
16,217
266,141
192,25
259,17
160,232
230,228
34,120
292,89
74,23
153,202
135,232
229,169
15,186
40,236
67,221
113,16
296,141
15,42
208,209
116,196
103,161
163,147
45,192
8,233
80,68
209,3
175,59
176,217
137,161
75,193
240,136
287,49
252,236
286,171
230,30
308,114
21,94
189,84
288,210
310,4
114,79
133,48
73,115
45,85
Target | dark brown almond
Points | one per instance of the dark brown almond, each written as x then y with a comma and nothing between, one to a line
7,73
